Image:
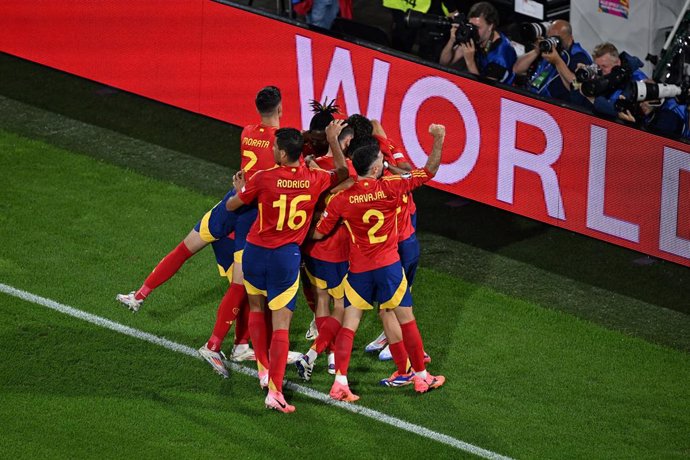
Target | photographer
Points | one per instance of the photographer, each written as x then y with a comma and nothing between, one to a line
479,46
666,116
553,70
617,72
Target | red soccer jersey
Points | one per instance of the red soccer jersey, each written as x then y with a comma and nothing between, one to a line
286,197
368,209
336,246
392,154
257,148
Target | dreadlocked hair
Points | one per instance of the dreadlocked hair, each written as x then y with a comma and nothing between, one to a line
323,114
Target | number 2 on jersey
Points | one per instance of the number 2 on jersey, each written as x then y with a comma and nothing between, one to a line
373,239
296,218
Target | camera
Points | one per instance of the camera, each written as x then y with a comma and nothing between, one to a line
549,44
532,31
616,79
583,74
466,31
642,91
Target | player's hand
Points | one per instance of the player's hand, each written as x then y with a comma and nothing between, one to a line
238,180
437,130
334,129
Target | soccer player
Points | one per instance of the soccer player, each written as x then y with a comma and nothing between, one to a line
214,228
368,209
257,143
326,263
286,196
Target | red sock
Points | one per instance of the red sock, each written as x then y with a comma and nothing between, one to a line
268,318
242,324
257,331
227,312
319,320
413,345
399,356
280,344
343,350
165,269
327,332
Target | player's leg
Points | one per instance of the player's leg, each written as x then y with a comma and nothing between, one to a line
359,291
343,352
423,381
255,267
215,224
282,287
164,270
327,278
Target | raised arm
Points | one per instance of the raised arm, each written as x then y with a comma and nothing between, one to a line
434,160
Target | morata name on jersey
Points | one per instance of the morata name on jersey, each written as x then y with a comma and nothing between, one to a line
251,142
367,197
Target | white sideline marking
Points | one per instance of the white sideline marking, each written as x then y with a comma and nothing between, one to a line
170,345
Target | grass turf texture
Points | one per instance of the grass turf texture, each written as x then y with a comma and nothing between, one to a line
523,380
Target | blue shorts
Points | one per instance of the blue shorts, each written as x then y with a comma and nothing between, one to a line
273,273
218,222
326,275
386,285
244,223
413,218
409,257
224,249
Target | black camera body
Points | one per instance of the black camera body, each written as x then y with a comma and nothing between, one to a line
548,44
590,72
618,78
466,30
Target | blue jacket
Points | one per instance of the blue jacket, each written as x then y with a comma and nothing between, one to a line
545,79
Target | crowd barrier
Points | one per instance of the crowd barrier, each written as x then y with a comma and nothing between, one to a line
520,154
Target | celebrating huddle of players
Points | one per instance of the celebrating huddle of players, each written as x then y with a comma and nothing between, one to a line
299,205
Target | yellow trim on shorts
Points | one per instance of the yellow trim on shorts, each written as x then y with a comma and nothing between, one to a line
282,299
355,299
318,282
237,256
204,232
337,292
225,274
399,293
251,290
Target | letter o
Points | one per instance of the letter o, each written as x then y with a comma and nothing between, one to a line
426,88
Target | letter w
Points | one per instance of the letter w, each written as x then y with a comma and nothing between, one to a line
340,74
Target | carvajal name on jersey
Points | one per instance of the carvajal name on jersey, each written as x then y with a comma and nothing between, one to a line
366,197
287,183
251,142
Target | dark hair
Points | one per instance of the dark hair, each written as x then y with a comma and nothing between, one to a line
360,124
347,131
267,100
323,114
485,10
362,141
290,140
364,157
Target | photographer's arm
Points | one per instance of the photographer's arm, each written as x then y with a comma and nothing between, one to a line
450,54
523,62
567,75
